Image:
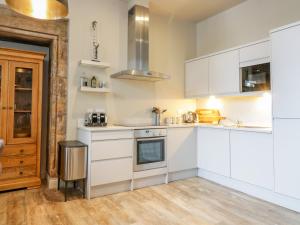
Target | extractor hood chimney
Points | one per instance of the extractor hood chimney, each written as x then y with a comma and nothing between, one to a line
138,47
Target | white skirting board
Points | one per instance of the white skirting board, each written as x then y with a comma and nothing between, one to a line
184,174
258,192
109,189
149,181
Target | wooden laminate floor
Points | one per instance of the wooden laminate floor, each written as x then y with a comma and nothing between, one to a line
185,202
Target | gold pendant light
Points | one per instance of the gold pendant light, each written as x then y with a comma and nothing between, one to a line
40,9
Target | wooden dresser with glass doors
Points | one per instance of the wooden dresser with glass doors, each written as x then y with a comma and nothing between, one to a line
21,78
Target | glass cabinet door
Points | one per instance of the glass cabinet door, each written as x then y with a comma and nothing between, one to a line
22,104
3,98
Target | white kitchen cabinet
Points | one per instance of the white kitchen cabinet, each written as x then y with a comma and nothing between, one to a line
111,171
112,135
287,157
196,78
111,158
182,149
256,52
110,162
224,75
286,72
111,149
252,158
214,150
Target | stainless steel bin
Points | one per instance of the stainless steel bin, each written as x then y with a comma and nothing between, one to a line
72,162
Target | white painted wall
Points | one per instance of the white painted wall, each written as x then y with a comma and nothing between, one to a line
171,43
246,22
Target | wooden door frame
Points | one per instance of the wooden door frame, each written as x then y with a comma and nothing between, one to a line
53,34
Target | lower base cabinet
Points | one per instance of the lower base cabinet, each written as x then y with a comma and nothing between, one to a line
111,171
214,150
287,157
182,150
252,158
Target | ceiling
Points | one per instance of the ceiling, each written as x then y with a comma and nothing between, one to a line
191,10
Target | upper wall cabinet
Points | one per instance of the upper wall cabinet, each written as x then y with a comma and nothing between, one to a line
196,78
286,72
255,54
219,73
224,73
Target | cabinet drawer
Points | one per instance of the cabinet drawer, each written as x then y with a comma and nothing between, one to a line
10,150
110,171
17,172
17,161
112,135
112,149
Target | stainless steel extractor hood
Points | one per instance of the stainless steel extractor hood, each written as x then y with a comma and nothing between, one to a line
138,48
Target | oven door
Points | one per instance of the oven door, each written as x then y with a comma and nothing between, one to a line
149,153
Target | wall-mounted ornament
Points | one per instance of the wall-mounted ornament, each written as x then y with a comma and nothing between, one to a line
95,42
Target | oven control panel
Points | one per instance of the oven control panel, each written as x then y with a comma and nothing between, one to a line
145,133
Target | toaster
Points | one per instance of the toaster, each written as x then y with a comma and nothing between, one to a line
95,119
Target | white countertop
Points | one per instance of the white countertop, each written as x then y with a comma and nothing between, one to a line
116,127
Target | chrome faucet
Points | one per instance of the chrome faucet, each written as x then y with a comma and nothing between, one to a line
238,123
157,113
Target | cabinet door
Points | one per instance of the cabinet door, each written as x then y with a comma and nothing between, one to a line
3,98
213,150
224,75
255,52
182,149
22,103
196,78
287,155
252,158
111,171
286,73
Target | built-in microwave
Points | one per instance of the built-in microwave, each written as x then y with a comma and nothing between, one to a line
255,77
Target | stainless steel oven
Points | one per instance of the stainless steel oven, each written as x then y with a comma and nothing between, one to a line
150,149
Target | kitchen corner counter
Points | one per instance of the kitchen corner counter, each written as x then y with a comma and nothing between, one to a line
235,128
107,128
116,127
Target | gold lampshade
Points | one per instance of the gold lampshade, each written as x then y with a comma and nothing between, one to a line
40,9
